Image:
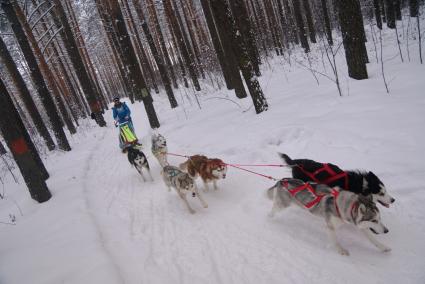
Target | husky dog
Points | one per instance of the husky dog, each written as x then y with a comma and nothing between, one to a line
210,170
138,159
359,182
159,149
182,183
334,206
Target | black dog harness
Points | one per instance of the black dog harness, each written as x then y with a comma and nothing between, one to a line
333,176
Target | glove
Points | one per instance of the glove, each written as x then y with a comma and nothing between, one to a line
127,118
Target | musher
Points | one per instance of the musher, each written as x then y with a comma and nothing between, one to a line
122,117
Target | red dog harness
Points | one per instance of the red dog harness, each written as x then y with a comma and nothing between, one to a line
333,176
317,197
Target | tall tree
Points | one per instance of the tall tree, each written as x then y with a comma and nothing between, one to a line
300,25
128,55
81,72
223,42
377,10
223,18
157,56
185,50
353,39
153,17
25,95
309,19
36,76
15,135
327,22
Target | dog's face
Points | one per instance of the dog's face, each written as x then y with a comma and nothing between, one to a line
368,216
186,184
159,141
218,168
377,188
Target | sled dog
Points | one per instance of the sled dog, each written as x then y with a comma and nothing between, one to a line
182,183
159,149
359,182
138,159
335,206
210,170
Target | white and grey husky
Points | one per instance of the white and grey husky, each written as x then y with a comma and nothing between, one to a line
335,206
159,149
182,183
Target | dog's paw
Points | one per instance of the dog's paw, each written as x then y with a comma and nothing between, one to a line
385,249
205,205
343,251
192,211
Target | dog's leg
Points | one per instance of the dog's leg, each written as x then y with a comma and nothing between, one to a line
150,174
206,186
375,242
215,184
275,203
204,204
332,234
183,196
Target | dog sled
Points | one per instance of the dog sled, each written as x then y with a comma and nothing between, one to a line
127,136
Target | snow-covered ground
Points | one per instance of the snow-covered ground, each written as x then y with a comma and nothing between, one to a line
105,225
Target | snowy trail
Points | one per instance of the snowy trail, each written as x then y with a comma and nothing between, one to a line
152,238
92,161
105,225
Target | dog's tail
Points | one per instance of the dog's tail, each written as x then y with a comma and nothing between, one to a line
270,192
286,159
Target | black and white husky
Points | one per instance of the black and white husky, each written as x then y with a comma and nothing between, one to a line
159,149
335,206
138,159
183,184
360,182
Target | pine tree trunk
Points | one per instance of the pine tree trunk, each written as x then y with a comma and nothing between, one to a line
193,39
160,65
390,13
136,79
226,43
327,22
272,24
290,20
238,8
185,50
85,56
377,10
36,76
224,64
45,70
223,18
414,8
353,39
81,72
157,56
25,95
300,24
147,70
15,135
154,18
309,18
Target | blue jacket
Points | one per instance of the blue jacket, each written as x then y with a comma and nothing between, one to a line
121,112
